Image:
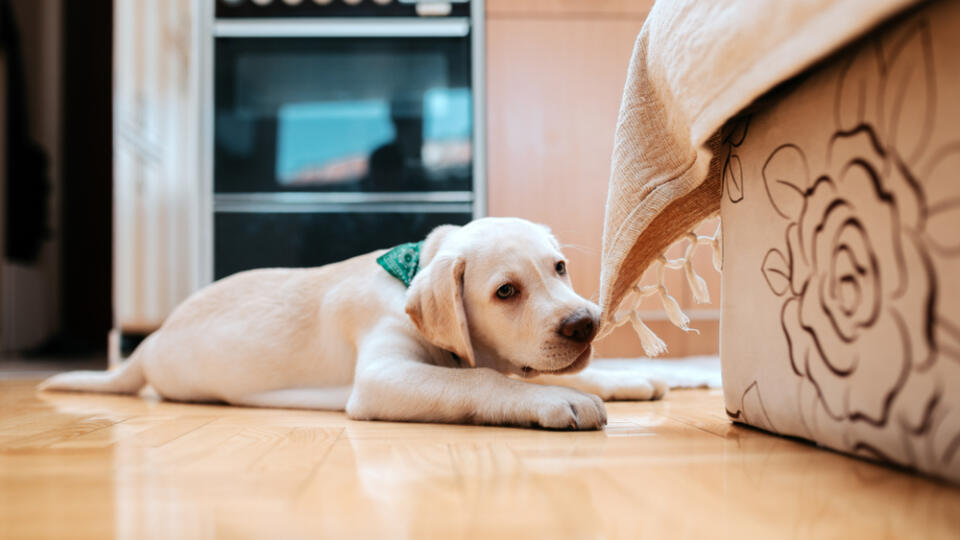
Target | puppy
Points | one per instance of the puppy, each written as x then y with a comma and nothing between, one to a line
489,309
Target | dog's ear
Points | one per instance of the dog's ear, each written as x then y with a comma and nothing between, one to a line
435,305
433,241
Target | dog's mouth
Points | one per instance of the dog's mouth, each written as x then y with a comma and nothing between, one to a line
573,367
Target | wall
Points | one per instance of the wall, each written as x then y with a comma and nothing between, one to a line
555,74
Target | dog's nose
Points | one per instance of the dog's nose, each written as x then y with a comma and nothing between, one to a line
579,327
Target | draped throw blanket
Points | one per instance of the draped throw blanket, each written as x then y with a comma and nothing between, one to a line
695,65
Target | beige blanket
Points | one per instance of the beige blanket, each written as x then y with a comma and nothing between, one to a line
695,65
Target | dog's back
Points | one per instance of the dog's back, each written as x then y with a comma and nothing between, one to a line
286,327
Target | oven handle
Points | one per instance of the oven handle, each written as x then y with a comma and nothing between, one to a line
342,27
297,202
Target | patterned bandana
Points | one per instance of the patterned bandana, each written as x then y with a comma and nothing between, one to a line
402,262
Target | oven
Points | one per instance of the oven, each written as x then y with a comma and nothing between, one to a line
337,127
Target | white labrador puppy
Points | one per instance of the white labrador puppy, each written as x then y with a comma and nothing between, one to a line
490,310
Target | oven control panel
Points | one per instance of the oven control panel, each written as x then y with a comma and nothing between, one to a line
229,9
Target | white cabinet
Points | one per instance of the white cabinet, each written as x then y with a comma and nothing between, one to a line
159,193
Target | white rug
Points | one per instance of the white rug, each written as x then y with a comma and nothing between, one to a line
690,372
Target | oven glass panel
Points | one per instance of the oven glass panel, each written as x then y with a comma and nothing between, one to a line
343,114
243,241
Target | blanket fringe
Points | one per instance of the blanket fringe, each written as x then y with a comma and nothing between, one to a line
629,309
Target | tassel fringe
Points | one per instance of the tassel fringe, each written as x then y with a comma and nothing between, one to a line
629,309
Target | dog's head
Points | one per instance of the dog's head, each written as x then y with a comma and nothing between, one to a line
496,293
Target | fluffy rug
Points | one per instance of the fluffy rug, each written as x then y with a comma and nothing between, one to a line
690,372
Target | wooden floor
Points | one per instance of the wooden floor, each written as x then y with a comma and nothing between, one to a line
86,466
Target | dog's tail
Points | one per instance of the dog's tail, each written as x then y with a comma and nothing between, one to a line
127,379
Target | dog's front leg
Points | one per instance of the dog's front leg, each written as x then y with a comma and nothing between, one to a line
391,383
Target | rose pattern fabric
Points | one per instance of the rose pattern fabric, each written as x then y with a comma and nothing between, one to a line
855,273
861,262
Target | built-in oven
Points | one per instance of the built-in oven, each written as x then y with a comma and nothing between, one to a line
341,126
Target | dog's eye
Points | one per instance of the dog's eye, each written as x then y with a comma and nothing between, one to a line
506,291
561,268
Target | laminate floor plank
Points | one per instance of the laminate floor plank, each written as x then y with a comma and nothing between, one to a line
95,466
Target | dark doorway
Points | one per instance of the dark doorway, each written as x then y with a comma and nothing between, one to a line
87,215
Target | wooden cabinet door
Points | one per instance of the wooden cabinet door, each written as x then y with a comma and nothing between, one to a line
157,187
555,75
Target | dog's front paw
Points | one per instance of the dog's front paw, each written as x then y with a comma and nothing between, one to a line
556,407
638,389
624,386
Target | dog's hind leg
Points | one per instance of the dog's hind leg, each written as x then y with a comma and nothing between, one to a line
610,385
324,399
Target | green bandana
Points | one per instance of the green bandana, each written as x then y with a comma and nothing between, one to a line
402,262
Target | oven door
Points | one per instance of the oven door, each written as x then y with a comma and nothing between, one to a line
332,138
358,113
